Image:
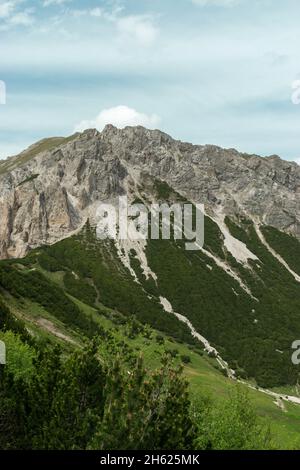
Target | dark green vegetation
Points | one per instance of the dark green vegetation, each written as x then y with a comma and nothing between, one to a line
277,311
30,284
253,333
82,403
103,395
254,336
287,246
38,377
94,274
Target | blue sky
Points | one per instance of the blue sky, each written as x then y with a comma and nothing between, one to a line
205,71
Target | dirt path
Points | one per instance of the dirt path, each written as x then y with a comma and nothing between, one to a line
51,328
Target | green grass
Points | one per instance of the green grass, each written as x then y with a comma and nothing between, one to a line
30,313
205,379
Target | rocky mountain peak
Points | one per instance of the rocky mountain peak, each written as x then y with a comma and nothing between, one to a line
48,191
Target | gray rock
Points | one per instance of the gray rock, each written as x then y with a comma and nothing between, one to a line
47,197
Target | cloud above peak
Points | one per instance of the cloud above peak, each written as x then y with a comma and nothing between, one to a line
120,116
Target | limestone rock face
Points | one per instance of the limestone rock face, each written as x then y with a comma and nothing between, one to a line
47,195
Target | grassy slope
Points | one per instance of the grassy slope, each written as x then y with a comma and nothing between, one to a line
202,372
33,151
196,287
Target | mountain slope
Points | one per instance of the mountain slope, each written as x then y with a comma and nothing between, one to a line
236,295
203,372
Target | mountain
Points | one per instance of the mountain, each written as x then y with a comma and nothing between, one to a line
48,191
238,297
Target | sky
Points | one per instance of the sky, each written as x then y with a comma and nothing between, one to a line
223,72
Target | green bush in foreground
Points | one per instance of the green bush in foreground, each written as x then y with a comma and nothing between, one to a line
84,402
231,425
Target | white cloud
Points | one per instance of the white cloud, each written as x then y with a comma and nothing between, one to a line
218,3
140,27
120,116
6,8
97,12
13,16
48,3
23,18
